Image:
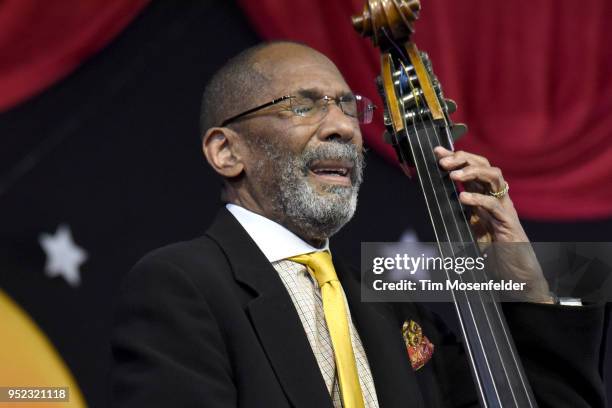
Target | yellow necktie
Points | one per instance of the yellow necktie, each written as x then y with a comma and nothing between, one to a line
334,308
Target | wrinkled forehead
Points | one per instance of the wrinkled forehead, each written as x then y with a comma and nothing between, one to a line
294,68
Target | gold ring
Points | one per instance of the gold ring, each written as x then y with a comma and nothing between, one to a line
500,194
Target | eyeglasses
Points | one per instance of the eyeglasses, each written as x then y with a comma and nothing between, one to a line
355,106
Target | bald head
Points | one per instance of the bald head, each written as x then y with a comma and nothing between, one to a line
251,78
296,162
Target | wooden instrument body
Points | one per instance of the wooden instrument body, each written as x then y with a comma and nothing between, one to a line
417,120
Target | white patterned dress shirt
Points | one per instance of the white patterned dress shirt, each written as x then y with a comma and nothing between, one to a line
278,243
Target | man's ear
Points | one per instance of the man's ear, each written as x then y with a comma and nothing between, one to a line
219,145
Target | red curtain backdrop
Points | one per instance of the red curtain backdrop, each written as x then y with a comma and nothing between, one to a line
532,78
42,42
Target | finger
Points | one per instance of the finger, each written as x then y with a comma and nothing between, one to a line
490,177
491,204
478,221
460,159
476,187
441,152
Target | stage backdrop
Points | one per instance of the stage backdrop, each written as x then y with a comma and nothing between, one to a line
100,159
532,79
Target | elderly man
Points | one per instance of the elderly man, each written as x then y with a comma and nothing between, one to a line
255,314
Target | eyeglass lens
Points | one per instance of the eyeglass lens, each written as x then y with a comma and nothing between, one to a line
356,106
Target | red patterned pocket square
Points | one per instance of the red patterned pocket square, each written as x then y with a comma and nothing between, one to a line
420,349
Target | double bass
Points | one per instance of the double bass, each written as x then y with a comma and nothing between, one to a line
416,117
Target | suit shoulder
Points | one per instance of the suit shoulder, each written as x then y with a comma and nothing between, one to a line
181,254
195,260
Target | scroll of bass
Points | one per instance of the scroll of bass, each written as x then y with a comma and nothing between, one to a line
417,119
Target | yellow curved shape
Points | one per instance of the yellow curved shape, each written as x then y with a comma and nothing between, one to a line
28,359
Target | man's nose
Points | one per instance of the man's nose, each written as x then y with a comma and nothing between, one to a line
338,126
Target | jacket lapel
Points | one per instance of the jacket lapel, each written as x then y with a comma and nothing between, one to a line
395,381
273,315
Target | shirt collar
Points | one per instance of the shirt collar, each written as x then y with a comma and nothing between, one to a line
275,241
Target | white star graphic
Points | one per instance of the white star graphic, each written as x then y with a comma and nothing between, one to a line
64,257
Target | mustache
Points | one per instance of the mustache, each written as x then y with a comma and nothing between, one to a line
335,150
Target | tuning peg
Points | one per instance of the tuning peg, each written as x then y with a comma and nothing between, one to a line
415,5
451,106
426,61
409,8
387,119
458,130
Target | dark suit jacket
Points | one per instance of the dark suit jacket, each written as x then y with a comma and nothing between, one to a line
208,323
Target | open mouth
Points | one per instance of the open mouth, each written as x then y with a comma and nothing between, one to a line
332,171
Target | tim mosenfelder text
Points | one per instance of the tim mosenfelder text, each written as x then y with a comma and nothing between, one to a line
458,265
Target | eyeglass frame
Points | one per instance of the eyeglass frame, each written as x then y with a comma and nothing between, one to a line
284,98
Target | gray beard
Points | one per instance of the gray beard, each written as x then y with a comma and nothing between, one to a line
316,214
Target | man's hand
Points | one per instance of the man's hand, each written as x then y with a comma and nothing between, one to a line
494,219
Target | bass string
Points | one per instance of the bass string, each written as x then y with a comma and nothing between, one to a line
502,326
438,138
492,299
480,294
445,228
